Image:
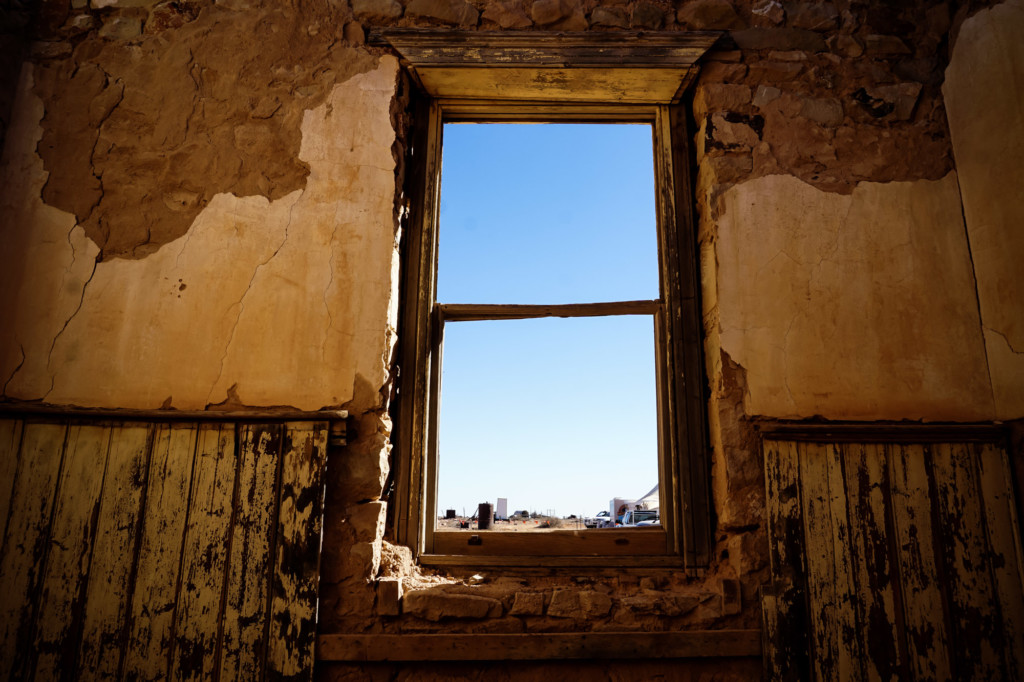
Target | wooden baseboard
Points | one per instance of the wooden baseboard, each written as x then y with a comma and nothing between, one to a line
540,646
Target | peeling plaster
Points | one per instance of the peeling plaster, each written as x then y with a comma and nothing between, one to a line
851,307
228,303
984,97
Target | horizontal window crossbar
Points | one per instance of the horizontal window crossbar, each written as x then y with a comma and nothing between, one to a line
469,312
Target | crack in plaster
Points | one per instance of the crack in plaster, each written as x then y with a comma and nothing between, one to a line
78,308
96,142
977,294
7,383
241,301
330,283
1004,337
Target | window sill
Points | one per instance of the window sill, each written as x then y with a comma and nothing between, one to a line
541,646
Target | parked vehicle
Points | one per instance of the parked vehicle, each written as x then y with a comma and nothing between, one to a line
602,519
637,517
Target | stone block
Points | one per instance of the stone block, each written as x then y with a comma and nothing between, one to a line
728,168
826,111
508,14
768,12
528,604
610,16
772,71
764,95
662,604
121,28
565,604
122,4
648,16
748,552
722,72
389,596
546,12
845,45
435,605
901,96
714,97
51,50
595,604
704,15
375,10
731,132
354,33
456,12
779,39
732,597
814,16
885,45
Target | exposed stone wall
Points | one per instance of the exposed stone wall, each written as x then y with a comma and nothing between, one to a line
199,209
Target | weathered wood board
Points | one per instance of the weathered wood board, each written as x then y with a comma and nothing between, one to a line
903,558
252,536
296,560
114,551
145,551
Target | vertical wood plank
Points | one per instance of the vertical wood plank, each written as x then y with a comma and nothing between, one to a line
850,656
996,486
27,537
822,600
204,556
243,642
788,654
964,549
108,595
297,553
156,588
868,485
10,442
927,640
59,621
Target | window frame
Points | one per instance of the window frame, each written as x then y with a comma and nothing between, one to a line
685,539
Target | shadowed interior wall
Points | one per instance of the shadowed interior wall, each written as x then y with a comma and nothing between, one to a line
201,206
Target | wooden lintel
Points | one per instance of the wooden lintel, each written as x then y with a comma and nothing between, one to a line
63,412
620,67
445,47
540,646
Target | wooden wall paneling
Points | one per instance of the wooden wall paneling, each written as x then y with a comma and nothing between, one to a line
204,555
963,547
927,640
10,443
787,627
296,556
868,485
246,605
1005,558
60,617
156,587
822,592
118,532
850,661
26,539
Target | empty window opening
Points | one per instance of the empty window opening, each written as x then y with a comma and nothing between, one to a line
557,416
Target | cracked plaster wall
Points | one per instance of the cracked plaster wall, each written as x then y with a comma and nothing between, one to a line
856,306
259,301
984,93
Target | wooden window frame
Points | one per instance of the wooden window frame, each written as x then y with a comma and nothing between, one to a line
685,538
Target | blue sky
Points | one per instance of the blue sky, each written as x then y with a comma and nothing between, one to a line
553,414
